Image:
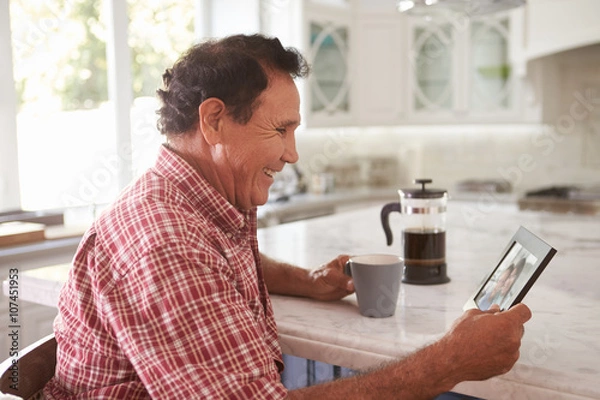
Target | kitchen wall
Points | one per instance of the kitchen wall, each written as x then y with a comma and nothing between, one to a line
563,150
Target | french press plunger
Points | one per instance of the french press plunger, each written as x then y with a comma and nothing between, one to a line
423,233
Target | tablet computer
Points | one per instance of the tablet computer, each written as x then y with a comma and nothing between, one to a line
521,263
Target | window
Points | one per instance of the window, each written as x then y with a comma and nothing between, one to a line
59,66
67,137
159,32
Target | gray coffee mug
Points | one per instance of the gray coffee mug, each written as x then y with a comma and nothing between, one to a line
377,283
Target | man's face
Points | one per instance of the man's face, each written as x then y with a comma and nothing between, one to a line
507,280
253,153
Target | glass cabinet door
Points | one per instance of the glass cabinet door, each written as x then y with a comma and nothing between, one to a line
329,82
490,75
433,67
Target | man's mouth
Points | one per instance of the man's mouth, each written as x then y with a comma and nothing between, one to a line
269,172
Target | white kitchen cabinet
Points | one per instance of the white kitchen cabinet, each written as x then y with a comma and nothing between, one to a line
554,26
489,70
444,70
328,43
381,69
465,69
433,81
323,31
387,68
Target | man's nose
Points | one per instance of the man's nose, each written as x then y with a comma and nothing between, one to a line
290,154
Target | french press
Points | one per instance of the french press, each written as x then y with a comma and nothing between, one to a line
423,233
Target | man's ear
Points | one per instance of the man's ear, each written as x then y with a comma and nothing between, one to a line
210,115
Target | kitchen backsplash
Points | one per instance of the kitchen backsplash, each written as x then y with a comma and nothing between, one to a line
527,156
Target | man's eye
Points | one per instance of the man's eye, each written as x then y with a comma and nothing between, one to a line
281,130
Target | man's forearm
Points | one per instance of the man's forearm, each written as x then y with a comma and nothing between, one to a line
283,278
479,345
422,375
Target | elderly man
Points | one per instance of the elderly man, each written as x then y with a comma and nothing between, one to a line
168,293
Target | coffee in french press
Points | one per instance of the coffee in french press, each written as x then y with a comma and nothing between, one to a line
423,213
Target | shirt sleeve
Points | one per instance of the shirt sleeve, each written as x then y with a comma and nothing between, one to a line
189,330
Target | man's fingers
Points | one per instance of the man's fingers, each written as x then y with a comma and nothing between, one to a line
337,279
522,311
494,308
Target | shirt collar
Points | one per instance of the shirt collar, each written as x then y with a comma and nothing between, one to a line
201,194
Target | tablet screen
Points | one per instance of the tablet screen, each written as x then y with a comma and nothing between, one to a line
521,263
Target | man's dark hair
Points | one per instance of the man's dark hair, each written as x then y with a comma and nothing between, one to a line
233,69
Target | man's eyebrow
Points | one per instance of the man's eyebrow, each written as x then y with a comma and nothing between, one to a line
290,122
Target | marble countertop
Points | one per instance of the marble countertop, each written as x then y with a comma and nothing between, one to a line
561,347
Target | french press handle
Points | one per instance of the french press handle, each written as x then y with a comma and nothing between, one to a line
385,219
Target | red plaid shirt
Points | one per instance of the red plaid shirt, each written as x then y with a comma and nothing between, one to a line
166,299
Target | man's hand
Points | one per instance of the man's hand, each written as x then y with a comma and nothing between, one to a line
329,282
482,344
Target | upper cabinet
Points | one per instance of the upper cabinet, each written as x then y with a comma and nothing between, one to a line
433,81
554,26
490,70
376,66
442,70
327,41
323,31
381,69
464,69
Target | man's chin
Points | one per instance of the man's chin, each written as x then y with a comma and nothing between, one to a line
259,201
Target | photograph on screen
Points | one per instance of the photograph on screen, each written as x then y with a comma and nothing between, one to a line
508,279
521,263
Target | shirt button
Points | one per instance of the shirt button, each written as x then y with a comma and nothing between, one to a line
229,235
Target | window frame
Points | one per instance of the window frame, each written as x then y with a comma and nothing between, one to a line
119,70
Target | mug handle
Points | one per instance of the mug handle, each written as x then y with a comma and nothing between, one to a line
347,269
385,220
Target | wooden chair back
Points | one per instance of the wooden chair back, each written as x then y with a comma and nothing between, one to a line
27,374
